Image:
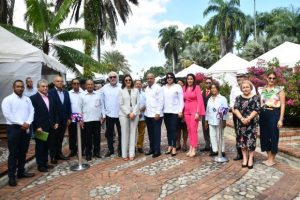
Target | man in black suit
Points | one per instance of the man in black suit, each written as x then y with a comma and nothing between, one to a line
63,108
206,95
45,120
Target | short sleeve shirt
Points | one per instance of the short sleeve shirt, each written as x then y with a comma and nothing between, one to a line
270,98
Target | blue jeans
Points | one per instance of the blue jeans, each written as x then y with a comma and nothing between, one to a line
154,133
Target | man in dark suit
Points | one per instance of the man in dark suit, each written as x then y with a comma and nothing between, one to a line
206,95
63,108
45,120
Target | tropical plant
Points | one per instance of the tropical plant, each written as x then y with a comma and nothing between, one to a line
115,61
200,54
101,17
48,36
252,50
247,30
7,11
172,43
193,34
225,23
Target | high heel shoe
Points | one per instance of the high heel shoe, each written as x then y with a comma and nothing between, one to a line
193,153
244,166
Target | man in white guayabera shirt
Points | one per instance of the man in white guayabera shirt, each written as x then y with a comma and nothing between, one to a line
110,111
154,114
18,112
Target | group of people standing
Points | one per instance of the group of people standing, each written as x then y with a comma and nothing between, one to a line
127,109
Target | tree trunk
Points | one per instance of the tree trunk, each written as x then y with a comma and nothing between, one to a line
11,12
173,62
223,46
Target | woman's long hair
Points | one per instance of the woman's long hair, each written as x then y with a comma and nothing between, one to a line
123,81
194,83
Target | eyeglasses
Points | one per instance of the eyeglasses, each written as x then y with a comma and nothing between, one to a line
127,80
272,78
170,77
111,77
207,82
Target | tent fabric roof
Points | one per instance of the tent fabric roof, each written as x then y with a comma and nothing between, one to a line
14,49
71,75
229,63
288,54
192,69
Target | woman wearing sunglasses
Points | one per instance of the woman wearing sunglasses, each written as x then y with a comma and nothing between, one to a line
271,116
173,105
128,116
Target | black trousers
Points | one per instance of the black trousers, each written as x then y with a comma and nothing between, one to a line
56,148
171,122
42,149
154,133
238,149
18,143
73,138
205,134
269,132
110,123
92,137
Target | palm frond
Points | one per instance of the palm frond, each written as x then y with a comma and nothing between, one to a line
71,34
61,14
24,34
68,55
37,15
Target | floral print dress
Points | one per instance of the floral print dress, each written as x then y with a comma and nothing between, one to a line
246,134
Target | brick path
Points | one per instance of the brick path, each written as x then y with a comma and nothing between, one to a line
164,177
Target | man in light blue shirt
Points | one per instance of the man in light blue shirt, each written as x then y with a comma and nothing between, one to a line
110,110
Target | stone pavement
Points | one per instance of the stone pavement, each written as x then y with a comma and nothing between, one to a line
165,177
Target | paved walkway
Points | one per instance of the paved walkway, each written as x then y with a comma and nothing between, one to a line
165,177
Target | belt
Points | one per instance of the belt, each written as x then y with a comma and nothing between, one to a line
270,108
14,125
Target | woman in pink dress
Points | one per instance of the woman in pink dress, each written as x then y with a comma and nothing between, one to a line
193,110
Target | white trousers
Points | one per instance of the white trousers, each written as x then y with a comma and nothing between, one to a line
214,132
128,136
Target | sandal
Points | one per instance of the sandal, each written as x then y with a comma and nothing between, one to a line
131,158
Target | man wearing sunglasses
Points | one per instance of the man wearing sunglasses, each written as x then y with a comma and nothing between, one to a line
110,111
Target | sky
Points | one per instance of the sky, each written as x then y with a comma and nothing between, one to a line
138,38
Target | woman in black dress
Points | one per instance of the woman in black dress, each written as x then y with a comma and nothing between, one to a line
246,108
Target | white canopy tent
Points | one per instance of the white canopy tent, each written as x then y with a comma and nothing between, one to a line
19,60
192,69
225,69
287,53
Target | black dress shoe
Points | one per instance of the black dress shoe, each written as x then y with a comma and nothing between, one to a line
238,157
108,154
149,153
119,153
223,154
250,167
213,153
43,169
53,161
12,182
88,158
62,157
72,154
97,155
156,154
244,166
204,149
26,175
140,150
173,154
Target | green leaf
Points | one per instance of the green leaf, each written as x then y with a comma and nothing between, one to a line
70,56
24,34
37,15
71,34
61,14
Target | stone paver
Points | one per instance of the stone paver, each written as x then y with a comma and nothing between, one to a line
165,177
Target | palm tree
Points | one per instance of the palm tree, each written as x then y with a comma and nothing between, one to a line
48,36
115,61
228,19
200,54
193,34
172,43
7,11
101,17
247,30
